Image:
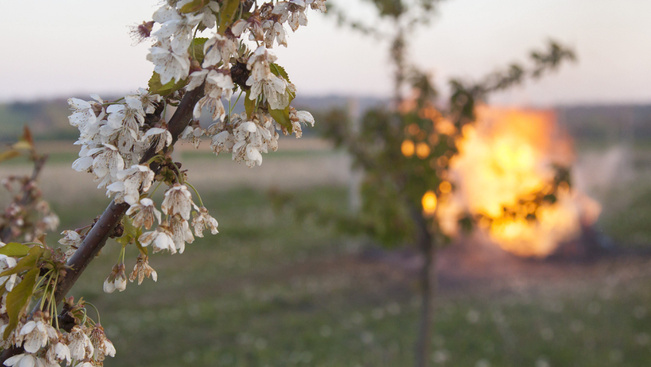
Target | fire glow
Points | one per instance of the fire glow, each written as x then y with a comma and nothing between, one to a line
507,161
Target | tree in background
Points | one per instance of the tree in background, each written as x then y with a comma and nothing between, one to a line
405,151
126,146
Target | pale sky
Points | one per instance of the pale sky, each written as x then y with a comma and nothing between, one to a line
75,47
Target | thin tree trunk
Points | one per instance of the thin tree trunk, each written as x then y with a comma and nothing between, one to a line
427,288
427,291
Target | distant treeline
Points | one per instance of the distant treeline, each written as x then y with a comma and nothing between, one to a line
607,123
593,123
47,120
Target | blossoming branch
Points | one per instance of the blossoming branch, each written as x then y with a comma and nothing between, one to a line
207,56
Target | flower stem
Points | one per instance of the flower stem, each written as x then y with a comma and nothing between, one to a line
196,192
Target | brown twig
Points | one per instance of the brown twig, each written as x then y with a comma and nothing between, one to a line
39,162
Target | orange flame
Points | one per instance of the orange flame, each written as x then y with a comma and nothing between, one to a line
506,157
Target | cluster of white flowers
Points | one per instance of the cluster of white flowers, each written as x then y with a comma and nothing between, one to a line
47,346
177,216
227,58
42,343
114,136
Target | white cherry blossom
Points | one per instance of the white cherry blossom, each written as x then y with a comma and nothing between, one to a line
117,280
158,137
263,81
131,182
160,239
34,335
102,345
7,263
79,344
169,64
24,360
83,114
148,100
299,117
58,352
130,114
178,200
218,49
144,213
142,269
202,220
181,233
193,134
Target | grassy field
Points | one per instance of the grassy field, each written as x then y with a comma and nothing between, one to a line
268,291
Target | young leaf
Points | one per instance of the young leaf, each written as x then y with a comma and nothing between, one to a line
278,70
196,49
6,155
130,232
28,262
282,117
227,12
141,248
155,86
15,249
22,144
249,104
129,228
27,136
25,142
192,6
18,299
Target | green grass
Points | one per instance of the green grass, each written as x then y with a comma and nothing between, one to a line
629,224
66,158
267,291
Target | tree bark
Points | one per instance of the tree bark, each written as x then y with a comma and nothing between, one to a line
100,232
427,288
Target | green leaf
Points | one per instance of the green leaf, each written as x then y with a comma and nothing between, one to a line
18,299
15,249
282,117
26,141
196,49
28,262
131,232
6,155
227,12
278,70
140,247
249,104
155,86
21,144
129,228
124,240
193,6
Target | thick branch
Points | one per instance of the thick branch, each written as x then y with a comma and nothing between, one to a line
97,236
